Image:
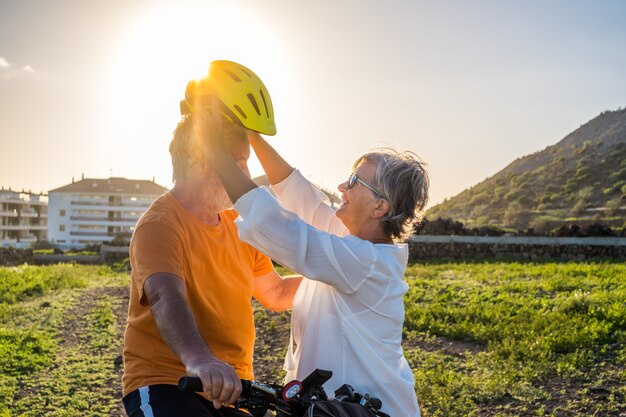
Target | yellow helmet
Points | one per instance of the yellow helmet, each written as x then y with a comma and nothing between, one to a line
242,94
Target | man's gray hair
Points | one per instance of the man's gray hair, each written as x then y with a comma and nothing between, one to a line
402,180
187,149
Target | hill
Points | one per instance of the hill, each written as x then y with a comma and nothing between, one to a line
581,179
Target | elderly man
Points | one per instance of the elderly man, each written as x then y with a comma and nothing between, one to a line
190,308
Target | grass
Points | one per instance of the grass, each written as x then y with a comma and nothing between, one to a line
483,339
58,345
520,332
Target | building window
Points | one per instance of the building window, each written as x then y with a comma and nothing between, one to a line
61,228
62,212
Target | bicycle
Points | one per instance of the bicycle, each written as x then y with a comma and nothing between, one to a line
294,399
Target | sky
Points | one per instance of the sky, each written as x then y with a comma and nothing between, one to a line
93,88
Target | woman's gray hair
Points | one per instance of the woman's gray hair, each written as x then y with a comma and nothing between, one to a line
402,180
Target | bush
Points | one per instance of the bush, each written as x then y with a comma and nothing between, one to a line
43,244
512,213
585,193
578,208
571,186
582,172
619,175
542,224
480,198
613,206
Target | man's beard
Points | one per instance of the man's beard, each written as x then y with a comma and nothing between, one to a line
220,199
217,198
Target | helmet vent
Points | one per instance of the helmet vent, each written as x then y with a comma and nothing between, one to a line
244,71
233,75
264,103
241,112
254,104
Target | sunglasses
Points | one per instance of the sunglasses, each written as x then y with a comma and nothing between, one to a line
355,178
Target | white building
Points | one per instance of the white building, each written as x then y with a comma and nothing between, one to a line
94,211
23,218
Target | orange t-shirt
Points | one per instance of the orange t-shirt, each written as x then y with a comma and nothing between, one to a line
218,270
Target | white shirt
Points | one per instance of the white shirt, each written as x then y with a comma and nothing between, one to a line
348,312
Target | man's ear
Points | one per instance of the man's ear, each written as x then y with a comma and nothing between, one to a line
381,209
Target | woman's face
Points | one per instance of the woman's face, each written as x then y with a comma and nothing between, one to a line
358,202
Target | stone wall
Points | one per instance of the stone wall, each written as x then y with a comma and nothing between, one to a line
533,252
12,256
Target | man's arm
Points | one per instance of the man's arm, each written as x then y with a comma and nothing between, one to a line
177,325
274,292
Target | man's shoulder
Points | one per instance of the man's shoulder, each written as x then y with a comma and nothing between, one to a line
161,210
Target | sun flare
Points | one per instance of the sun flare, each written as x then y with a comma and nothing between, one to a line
164,49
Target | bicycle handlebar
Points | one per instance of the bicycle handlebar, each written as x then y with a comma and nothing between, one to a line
293,399
190,384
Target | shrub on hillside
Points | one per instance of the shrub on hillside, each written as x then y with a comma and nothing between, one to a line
512,213
542,224
613,206
578,208
439,226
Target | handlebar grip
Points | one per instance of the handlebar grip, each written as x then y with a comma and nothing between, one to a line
376,403
190,384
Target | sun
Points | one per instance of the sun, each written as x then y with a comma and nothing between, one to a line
164,48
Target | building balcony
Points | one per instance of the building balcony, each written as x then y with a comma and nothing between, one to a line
103,219
23,202
15,227
87,203
29,214
99,234
8,213
89,234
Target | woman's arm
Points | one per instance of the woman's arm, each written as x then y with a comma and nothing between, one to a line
276,168
296,193
342,262
235,181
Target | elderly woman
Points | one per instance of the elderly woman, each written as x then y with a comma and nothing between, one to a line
348,312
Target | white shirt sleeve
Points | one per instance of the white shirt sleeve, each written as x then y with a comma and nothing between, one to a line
343,262
299,195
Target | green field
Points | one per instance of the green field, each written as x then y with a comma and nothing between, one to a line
483,339
60,335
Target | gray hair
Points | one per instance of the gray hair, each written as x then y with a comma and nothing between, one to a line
402,180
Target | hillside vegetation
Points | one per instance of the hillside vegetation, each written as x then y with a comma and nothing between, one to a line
581,179
483,339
